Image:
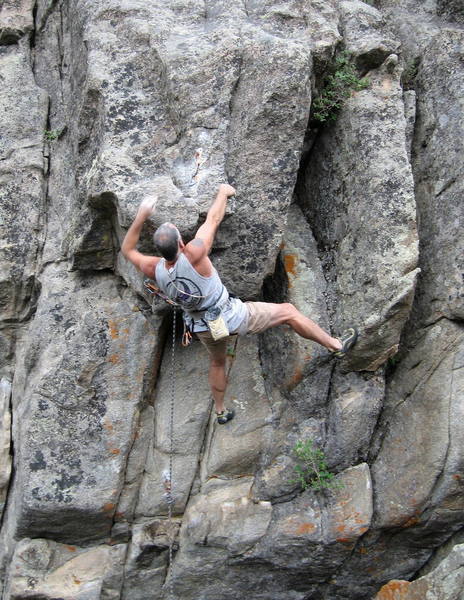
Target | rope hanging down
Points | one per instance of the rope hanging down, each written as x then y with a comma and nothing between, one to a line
168,480
154,290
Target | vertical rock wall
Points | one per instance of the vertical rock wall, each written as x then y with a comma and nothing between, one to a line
355,222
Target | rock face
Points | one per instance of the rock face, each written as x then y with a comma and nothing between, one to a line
355,222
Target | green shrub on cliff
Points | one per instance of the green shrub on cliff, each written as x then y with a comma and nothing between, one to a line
340,82
311,469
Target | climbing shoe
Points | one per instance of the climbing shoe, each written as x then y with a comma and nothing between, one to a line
348,340
226,415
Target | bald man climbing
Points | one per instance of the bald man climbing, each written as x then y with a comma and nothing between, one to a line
186,275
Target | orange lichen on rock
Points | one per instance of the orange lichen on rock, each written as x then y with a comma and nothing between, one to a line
113,327
296,377
290,265
411,522
396,589
109,507
305,528
114,358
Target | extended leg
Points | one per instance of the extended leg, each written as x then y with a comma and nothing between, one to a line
270,315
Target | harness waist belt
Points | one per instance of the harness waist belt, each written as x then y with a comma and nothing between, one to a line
220,303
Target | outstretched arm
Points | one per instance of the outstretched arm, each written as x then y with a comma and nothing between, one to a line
207,231
144,263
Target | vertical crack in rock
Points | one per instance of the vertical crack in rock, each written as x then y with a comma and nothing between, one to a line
6,445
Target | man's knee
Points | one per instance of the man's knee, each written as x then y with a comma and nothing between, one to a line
218,361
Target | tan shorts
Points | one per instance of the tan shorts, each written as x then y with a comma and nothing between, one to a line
259,319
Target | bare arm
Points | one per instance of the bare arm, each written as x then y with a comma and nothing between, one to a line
204,238
146,264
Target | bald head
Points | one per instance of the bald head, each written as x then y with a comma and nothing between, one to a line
166,239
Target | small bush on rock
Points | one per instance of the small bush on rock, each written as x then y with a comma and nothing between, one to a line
341,81
312,469
50,135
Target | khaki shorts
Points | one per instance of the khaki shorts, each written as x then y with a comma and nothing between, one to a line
259,319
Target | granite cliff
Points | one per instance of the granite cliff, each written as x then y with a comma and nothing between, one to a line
358,220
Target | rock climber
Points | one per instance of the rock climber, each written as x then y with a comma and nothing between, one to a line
186,275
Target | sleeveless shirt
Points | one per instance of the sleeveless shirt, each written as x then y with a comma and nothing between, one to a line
196,293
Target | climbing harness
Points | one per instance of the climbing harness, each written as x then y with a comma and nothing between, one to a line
153,289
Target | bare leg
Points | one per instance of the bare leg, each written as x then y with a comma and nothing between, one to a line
287,314
218,381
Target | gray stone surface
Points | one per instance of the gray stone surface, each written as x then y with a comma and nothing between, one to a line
173,97
192,410
290,359
418,472
355,404
5,440
145,569
235,450
451,9
44,569
358,194
446,582
22,170
365,33
437,150
83,370
15,20
153,108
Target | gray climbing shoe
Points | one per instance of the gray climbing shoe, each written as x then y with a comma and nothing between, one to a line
348,340
226,415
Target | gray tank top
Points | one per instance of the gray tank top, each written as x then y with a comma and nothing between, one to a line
196,293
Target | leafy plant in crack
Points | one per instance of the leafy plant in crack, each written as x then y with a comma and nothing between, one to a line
311,469
51,135
409,74
338,85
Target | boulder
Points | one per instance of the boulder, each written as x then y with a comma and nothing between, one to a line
83,372
444,582
365,33
147,559
419,471
42,568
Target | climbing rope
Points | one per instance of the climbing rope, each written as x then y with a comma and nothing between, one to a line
168,480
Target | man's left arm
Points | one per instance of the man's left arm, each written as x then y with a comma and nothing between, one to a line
146,264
